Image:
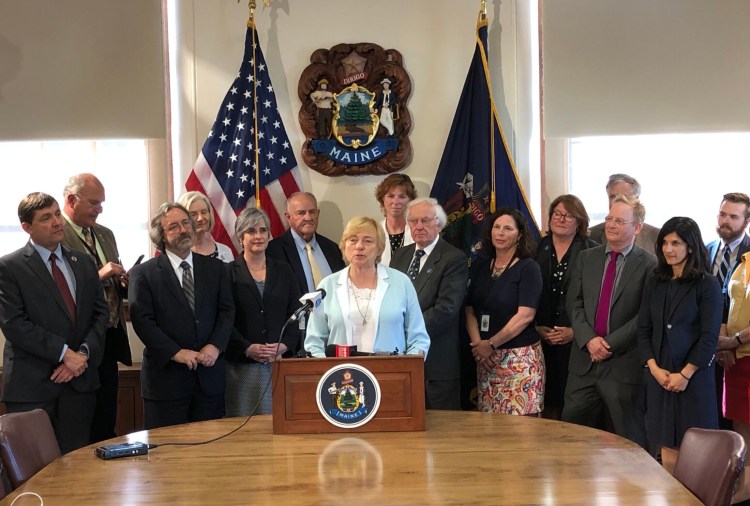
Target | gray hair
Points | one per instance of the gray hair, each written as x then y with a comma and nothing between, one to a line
300,194
439,211
76,183
186,200
624,178
248,218
156,230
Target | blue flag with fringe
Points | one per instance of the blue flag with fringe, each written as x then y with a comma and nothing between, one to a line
476,165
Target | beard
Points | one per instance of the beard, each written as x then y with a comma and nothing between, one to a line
727,233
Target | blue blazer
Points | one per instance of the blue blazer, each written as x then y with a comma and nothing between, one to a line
399,325
163,320
692,325
713,250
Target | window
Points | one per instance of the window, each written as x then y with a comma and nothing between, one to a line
121,165
680,174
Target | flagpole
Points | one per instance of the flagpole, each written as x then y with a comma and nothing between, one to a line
251,25
483,19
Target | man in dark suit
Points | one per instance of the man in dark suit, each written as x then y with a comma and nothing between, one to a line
622,184
603,300
725,254
84,196
311,255
53,316
439,272
182,309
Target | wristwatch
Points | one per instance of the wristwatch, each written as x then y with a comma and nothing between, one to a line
493,345
737,337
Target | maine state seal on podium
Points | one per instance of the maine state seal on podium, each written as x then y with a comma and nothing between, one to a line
348,395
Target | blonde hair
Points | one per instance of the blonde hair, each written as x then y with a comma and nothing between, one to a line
639,211
187,199
360,224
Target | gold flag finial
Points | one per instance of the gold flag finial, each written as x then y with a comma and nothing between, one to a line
252,5
483,10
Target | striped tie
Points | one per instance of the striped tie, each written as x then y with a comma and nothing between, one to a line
724,267
187,284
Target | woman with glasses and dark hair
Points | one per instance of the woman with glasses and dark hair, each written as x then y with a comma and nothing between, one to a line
556,252
504,288
678,325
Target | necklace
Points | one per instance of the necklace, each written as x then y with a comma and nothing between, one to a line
357,296
498,271
257,268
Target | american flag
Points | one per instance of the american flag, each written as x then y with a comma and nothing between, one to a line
247,156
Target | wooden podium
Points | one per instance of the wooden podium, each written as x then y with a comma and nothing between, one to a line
295,383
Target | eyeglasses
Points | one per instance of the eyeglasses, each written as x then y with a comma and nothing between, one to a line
91,202
617,221
424,221
562,216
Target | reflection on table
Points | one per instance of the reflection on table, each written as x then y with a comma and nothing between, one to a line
462,457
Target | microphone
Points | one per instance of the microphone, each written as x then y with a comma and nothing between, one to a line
309,301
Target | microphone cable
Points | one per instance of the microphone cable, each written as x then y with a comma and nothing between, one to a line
247,419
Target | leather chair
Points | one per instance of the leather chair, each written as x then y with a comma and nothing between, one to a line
27,444
709,464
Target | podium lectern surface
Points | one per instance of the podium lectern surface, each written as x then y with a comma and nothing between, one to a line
295,394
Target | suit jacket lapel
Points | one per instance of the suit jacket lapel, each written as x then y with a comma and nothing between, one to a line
682,290
75,267
169,278
632,262
242,275
292,256
37,267
429,266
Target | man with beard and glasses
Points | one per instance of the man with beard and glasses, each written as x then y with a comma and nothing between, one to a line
182,309
725,254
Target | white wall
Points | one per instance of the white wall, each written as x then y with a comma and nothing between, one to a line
436,39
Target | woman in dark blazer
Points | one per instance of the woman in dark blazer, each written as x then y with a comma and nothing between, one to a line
556,254
265,294
678,327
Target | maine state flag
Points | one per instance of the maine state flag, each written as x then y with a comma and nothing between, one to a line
476,170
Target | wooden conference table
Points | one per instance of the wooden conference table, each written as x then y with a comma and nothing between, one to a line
462,458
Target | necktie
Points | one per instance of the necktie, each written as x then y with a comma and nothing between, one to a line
62,285
724,266
605,297
110,284
187,284
414,267
314,269
89,239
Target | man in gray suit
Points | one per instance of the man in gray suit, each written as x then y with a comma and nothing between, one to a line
603,300
622,184
84,196
439,272
53,315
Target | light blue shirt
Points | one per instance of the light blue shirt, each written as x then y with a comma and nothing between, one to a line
320,258
399,321
61,262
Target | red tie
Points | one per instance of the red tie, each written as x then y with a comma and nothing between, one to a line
605,297
62,285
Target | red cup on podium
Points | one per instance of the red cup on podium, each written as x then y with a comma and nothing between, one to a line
345,351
